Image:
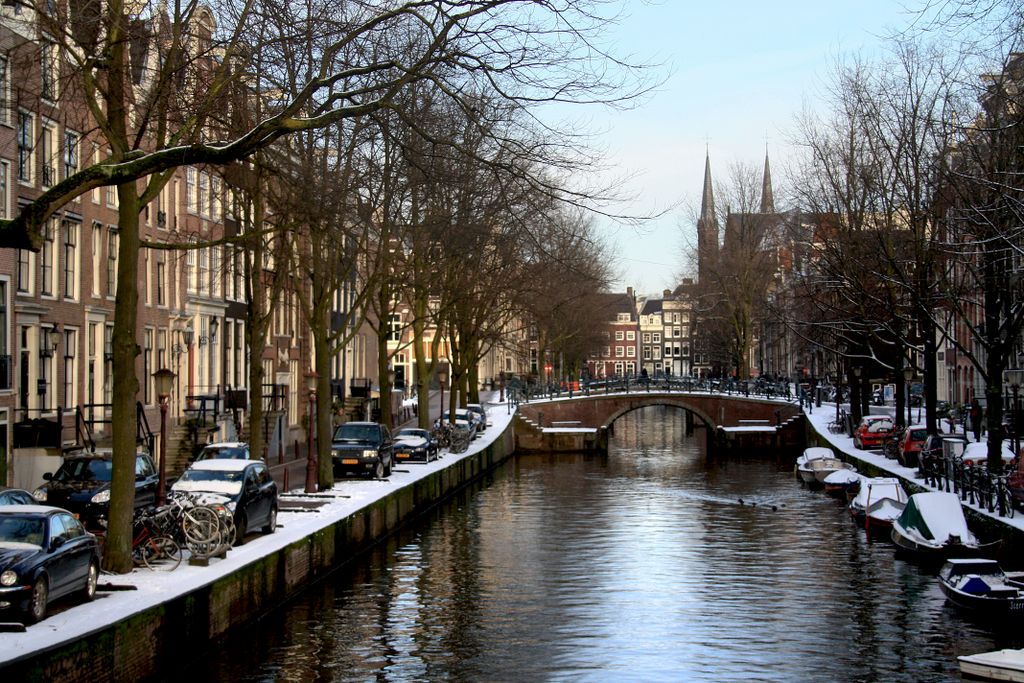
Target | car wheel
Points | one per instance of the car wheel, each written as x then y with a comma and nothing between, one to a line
37,600
387,468
271,521
378,471
241,529
88,593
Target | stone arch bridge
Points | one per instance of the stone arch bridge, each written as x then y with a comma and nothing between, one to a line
583,423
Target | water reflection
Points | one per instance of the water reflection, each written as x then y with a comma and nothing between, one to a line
648,564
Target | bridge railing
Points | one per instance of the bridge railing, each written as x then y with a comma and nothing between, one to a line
638,384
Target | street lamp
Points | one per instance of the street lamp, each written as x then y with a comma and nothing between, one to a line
311,464
164,380
442,379
855,406
908,374
1014,376
187,335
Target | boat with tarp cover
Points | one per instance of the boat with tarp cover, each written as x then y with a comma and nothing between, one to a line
932,526
879,502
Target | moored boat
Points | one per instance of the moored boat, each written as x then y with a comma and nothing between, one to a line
879,502
843,481
1000,665
823,467
802,468
981,586
932,526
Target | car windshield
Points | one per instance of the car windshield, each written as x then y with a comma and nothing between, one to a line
223,453
919,434
421,433
357,433
212,481
85,469
21,531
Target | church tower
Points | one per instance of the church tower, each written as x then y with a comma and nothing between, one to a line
707,226
767,198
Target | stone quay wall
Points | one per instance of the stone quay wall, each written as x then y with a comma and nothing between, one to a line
142,646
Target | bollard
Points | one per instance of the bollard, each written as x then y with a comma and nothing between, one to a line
280,452
284,484
297,449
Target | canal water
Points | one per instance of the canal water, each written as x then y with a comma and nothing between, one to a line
648,564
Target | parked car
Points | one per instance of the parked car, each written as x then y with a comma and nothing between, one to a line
363,448
9,496
911,443
479,410
977,454
45,554
82,485
414,445
465,419
225,450
244,487
872,431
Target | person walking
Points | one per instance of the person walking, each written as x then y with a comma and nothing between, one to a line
977,414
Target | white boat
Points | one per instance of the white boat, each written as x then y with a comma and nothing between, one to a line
802,468
933,526
1000,665
879,502
843,481
823,467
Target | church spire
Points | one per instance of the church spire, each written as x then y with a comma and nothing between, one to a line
707,225
767,199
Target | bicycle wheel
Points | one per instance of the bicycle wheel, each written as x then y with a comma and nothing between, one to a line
201,526
161,553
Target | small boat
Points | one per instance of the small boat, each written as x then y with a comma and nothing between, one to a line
802,468
823,467
981,586
1001,665
879,502
932,526
843,481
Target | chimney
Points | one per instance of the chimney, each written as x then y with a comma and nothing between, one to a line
629,292
667,293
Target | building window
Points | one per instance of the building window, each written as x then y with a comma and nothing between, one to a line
24,283
70,369
5,92
26,143
48,154
48,71
71,141
618,368
630,335
656,338
112,262
395,327
619,336
647,338
161,276
70,260
204,194
97,244
647,353
607,352
5,189
668,350
97,192
677,332
46,256
619,352
190,189
630,352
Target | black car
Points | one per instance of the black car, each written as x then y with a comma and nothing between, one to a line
363,448
9,496
82,485
45,554
244,487
414,445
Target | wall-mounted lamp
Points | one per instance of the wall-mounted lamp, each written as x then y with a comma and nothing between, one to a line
187,335
48,341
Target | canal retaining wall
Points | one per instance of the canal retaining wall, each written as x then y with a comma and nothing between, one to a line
148,642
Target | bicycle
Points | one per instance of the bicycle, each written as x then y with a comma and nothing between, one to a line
838,426
152,547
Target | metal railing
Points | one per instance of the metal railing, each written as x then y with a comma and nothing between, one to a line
525,392
974,484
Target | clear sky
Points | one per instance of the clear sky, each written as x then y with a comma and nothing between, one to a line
737,75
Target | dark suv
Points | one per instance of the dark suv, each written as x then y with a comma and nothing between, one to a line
82,485
364,448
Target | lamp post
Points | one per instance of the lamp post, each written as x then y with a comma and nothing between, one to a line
311,464
164,379
187,335
48,349
442,379
1014,377
855,406
908,374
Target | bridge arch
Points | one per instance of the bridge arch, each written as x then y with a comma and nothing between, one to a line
659,401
